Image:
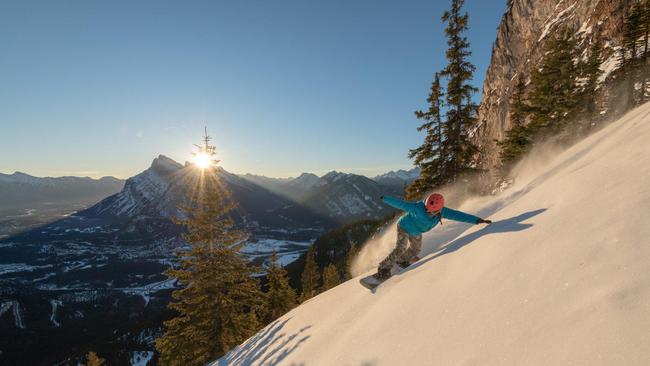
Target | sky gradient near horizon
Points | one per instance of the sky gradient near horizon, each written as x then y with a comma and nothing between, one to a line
101,88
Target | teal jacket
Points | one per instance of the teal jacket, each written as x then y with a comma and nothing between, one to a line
417,219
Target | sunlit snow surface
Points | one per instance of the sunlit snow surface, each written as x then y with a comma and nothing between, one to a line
560,278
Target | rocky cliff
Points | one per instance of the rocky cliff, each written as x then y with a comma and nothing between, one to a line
519,46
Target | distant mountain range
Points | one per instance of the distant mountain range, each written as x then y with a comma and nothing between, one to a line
304,201
397,180
27,201
157,192
343,197
20,190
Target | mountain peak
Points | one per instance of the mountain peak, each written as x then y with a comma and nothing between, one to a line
401,174
308,181
19,177
334,175
165,163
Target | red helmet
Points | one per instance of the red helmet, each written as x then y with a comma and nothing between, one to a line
434,202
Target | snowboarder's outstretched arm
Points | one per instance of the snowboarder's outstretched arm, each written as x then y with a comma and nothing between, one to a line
398,203
455,215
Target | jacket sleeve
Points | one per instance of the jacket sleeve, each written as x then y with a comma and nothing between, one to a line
450,214
398,203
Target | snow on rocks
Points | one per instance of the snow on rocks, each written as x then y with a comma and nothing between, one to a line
558,18
140,358
5,306
55,305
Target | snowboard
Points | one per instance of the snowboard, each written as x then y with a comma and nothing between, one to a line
371,282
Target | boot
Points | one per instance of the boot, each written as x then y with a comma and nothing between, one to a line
382,274
404,264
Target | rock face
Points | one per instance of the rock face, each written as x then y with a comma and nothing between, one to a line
519,46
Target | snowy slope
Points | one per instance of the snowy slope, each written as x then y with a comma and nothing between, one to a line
561,278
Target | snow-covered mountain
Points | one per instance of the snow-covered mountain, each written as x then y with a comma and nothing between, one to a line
349,197
306,182
343,197
146,194
560,278
294,188
157,192
27,202
397,179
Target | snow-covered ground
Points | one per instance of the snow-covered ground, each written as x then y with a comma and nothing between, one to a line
141,358
55,306
5,306
560,278
20,267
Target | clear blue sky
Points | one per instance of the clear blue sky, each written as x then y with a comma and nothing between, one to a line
102,87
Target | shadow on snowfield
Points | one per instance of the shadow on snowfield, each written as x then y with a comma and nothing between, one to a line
512,224
268,347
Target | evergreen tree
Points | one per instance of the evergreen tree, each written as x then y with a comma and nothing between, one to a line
349,260
281,297
447,151
309,278
518,138
429,157
217,303
93,360
554,98
590,73
459,151
632,31
645,30
330,277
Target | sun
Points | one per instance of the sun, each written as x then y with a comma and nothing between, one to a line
202,160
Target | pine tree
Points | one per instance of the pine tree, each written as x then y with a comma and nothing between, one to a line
93,360
459,151
429,157
219,299
349,260
281,297
309,278
590,73
645,30
554,98
518,138
632,31
330,277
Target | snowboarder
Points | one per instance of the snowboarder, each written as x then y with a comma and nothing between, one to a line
419,218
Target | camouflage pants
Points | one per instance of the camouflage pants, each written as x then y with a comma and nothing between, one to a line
403,252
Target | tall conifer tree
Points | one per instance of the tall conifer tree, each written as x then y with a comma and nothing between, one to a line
555,95
310,276
281,297
330,277
590,73
429,157
518,138
218,302
461,111
349,260
633,29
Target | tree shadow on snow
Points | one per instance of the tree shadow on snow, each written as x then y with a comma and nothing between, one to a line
512,224
268,347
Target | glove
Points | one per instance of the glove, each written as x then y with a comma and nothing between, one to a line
481,221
